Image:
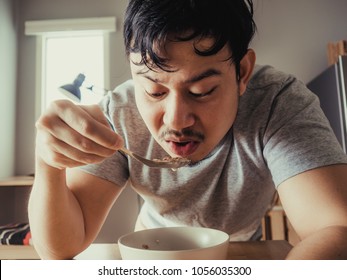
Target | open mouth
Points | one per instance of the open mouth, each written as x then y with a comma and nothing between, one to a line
184,148
182,144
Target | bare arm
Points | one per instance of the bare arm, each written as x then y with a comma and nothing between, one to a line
66,210
316,204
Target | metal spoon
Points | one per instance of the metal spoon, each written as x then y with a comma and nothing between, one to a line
172,163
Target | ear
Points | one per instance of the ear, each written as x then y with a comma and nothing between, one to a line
246,69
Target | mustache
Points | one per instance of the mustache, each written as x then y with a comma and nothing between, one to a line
187,132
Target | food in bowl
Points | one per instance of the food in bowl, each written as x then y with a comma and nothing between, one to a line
174,243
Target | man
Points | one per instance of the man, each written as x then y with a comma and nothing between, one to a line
249,131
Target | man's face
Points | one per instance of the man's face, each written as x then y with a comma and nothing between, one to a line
190,110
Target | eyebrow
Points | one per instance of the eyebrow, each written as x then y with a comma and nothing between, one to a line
206,74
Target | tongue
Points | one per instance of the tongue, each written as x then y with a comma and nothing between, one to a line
183,148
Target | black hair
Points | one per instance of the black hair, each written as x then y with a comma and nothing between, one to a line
149,24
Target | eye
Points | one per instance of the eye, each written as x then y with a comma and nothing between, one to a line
155,94
203,94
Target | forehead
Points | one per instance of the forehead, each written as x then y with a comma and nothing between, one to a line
178,54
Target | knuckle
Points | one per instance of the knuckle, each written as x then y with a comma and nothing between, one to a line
85,144
70,164
58,105
90,159
43,122
86,127
109,153
54,158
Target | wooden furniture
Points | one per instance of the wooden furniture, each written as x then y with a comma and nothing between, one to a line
259,250
249,250
17,181
14,193
276,226
335,49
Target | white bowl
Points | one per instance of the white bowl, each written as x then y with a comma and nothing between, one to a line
174,243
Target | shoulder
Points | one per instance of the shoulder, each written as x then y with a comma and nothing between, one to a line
120,107
123,95
272,91
270,83
265,76
120,101
282,116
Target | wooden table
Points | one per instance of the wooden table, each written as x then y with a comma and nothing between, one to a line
17,181
250,250
259,250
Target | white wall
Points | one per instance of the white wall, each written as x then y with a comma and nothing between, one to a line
293,34
8,68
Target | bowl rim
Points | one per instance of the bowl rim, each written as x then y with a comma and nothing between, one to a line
220,244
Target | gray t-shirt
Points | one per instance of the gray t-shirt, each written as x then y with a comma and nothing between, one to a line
280,131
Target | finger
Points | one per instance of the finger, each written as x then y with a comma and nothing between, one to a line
75,155
101,117
85,124
60,131
60,155
74,125
61,161
96,113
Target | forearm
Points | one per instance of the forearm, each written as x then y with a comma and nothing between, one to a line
328,243
56,220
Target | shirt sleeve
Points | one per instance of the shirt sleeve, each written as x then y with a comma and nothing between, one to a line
298,136
114,168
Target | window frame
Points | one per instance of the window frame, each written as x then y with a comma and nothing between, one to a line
44,29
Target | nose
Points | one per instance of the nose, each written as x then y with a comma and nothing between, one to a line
178,112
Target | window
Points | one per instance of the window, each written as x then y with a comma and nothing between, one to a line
65,57
66,48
